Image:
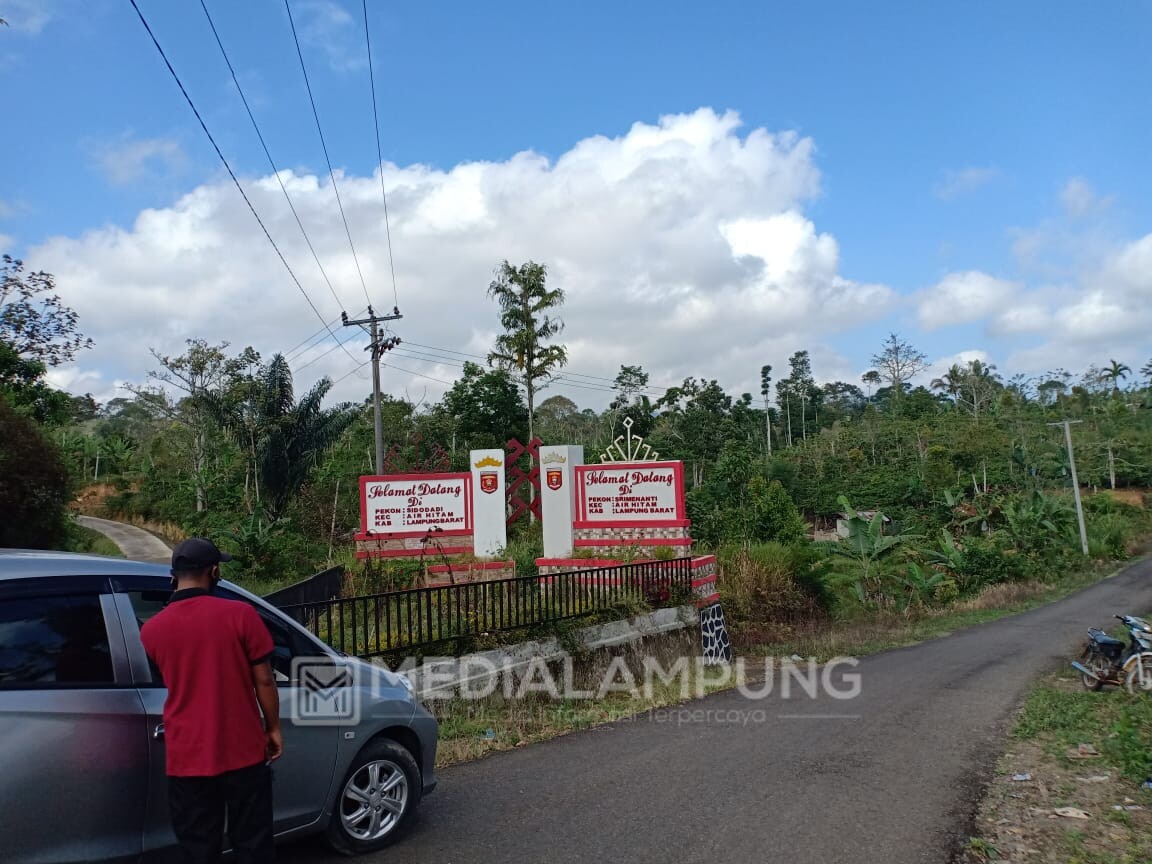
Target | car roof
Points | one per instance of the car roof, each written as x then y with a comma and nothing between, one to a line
32,563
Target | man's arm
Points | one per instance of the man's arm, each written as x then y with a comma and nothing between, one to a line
269,698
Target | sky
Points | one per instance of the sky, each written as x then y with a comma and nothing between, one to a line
714,186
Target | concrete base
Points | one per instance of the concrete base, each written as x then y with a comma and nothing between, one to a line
441,678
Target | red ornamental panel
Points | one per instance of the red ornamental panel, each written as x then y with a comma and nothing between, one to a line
520,501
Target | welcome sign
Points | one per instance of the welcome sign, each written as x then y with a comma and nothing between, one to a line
410,505
636,493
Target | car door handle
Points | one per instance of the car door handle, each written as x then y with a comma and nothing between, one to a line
158,732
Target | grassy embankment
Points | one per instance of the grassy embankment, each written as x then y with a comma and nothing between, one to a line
1070,786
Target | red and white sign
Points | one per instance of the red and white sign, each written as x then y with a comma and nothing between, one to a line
555,478
410,505
630,494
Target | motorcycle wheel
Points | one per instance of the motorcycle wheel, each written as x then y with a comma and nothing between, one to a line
1139,674
1097,663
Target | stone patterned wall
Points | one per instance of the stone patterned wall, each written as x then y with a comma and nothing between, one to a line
412,545
468,571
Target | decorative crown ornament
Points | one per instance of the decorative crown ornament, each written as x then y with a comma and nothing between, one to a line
629,448
553,459
489,462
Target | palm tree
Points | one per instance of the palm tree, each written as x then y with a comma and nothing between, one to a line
1116,372
1146,371
950,382
285,438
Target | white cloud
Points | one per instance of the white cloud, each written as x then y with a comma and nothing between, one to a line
7,241
939,367
127,160
1106,312
961,298
330,28
958,183
1080,199
681,245
27,16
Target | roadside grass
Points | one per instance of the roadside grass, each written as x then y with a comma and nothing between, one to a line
881,631
1046,770
1060,718
81,539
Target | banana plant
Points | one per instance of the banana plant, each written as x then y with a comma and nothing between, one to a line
866,547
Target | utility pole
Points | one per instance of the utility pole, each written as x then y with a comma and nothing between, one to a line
377,346
1067,424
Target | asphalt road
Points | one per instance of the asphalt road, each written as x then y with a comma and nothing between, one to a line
890,776
136,543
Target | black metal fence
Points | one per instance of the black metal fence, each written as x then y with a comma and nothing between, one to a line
324,586
371,625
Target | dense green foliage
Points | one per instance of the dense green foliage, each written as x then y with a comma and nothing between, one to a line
962,484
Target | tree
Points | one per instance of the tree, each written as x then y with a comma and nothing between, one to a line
898,363
205,374
291,437
631,401
486,408
1146,371
972,387
1116,372
525,302
871,379
802,385
33,320
766,392
35,491
22,384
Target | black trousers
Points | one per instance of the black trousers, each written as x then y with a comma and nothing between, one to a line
198,806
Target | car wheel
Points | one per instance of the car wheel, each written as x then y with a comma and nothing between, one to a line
375,802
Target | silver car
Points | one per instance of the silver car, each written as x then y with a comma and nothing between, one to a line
82,762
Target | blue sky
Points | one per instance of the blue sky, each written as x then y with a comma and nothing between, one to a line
1005,139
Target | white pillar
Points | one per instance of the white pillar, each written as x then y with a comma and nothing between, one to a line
489,501
558,497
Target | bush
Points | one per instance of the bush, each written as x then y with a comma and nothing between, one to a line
990,560
773,583
1109,534
35,490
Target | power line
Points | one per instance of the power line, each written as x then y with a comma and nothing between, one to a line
380,155
228,167
350,374
418,374
267,153
652,387
324,354
324,145
311,341
559,379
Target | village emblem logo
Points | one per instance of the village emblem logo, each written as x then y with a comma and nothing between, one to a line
555,478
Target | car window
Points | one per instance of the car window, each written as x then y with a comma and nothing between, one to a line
288,643
51,641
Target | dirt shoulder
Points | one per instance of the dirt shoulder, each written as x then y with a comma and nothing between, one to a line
1069,787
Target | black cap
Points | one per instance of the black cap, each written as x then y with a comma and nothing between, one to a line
196,553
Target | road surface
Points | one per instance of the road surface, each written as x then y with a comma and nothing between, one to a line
136,543
891,776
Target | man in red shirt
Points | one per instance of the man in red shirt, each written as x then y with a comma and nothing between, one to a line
213,656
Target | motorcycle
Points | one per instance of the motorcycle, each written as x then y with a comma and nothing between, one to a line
1106,660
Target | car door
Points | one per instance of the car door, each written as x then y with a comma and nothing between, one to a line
74,760
302,777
